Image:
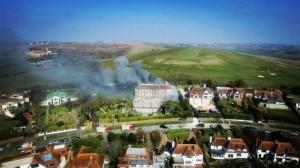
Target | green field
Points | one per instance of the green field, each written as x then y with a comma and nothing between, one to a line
218,65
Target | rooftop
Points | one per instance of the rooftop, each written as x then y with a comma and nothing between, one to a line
136,151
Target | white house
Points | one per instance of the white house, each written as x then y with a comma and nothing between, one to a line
57,98
231,148
149,97
234,93
200,97
265,150
6,104
187,155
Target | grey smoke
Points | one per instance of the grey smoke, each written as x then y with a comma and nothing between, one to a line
92,78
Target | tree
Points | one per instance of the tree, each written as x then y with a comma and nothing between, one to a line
131,138
296,90
209,83
111,137
155,139
171,106
247,104
219,128
260,111
113,149
60,123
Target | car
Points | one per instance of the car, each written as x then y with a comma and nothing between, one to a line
73,138
200,125
53,142
1,149
163,126
65,140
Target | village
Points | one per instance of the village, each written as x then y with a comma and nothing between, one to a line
218,126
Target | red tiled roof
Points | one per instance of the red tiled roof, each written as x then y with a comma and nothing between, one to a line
187,149
199,90
237,144
225,91
269,94
240,90
219,142
282,147
266,145
198,150
87,160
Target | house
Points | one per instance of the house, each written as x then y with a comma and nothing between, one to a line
277,152
85,159
22,96
231,148
234,93
135,157
187,155
57,98
273,96
200,97
149,97
265,150
6,104
44,157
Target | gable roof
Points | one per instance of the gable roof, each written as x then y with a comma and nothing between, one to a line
237,144
87,160
283,148
240,90
187,150
219,142
200,90
266,145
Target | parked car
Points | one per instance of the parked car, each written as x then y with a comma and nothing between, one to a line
65,140
53,142
163,126
73,138
200,125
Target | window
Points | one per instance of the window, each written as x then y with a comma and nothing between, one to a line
187,162
238,154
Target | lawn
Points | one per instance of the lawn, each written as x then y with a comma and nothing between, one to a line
179,133
286,116
218,65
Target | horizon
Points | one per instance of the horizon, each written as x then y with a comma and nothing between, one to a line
207,22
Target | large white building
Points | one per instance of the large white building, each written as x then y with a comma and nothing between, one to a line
149,97
57,98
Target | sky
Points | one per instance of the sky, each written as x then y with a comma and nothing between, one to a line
154,21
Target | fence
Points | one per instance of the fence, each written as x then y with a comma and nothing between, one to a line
59,131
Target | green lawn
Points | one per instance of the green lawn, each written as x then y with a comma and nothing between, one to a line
218,66
286,116
179,133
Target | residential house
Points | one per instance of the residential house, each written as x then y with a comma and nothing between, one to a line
265,150
135,157
6,104
85,159
231,148
22,96
200,97
234,93
273,96
57,98
187,155
149,97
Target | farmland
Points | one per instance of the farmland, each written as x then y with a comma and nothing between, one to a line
219,66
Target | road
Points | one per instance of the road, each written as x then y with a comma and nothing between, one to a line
13,150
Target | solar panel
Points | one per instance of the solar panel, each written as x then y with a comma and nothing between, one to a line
139,162
47,157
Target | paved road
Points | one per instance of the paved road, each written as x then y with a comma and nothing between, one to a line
12,150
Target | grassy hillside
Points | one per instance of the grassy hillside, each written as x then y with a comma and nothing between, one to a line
220,66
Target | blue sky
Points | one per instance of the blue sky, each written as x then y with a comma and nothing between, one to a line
194,21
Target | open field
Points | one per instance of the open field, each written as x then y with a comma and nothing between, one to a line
219,66
285,116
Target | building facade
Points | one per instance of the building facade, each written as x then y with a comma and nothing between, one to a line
149,97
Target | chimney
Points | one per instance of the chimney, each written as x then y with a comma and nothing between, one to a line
210,139
173,144
204,85
229,138
91,161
